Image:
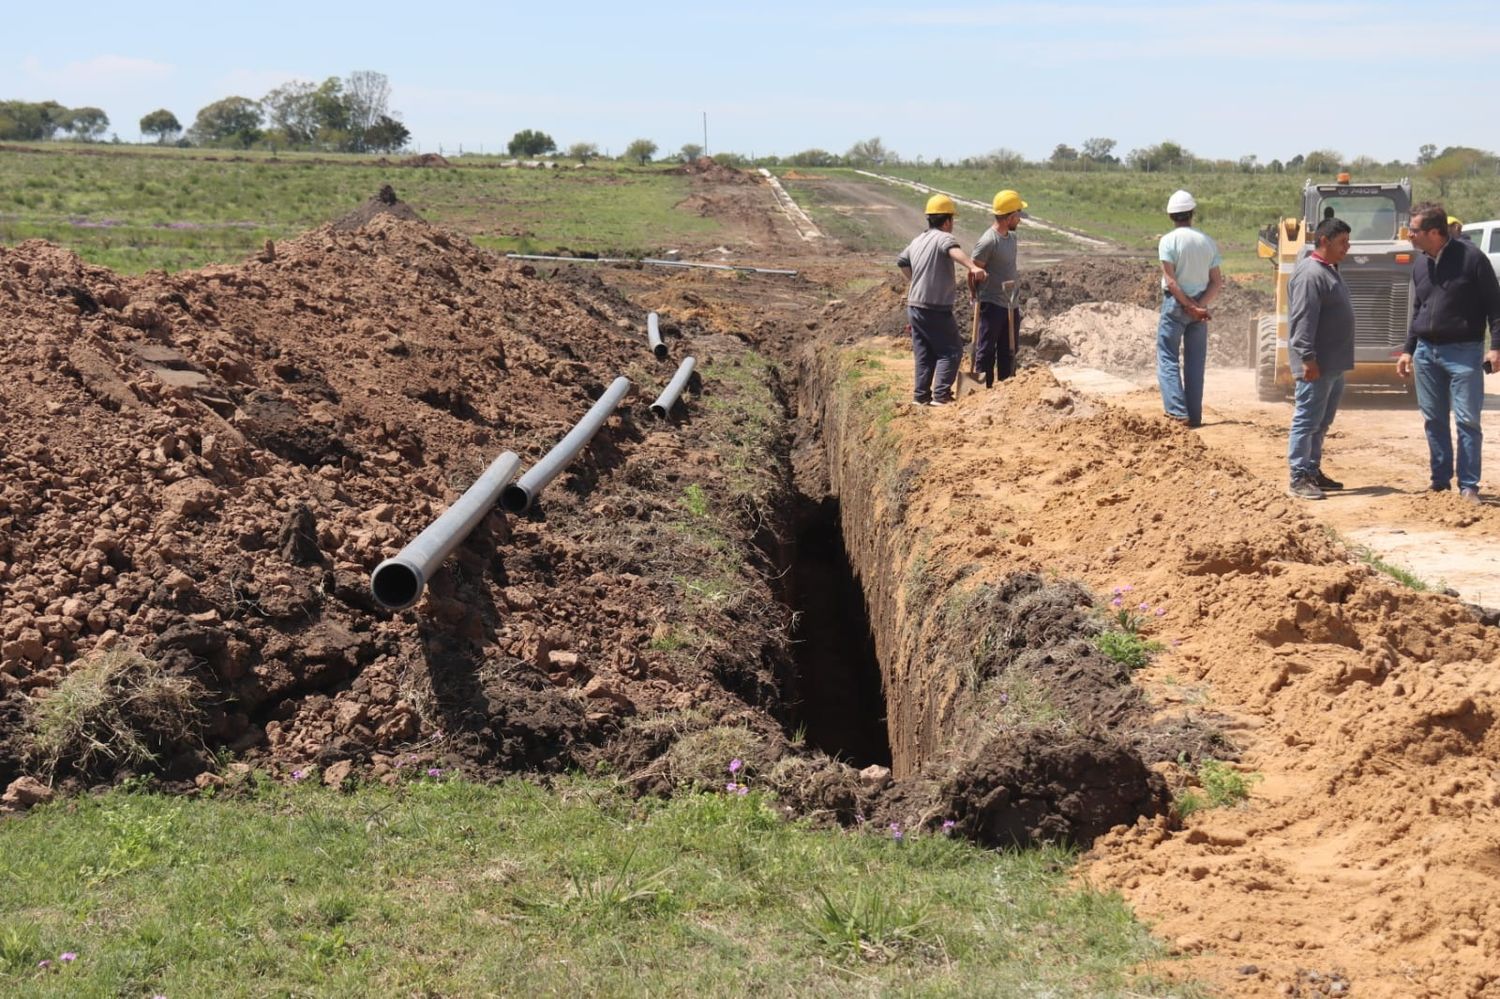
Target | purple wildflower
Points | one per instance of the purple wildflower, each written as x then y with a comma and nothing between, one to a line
731,787
1117,602
735,764
948,825
1004,697
67,957
1144,606
1161,612
1126,588
744,789
434,771
298,774
896,833
44,964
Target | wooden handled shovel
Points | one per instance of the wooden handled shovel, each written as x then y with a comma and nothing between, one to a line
967,381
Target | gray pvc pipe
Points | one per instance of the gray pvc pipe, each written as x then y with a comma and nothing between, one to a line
398,582
519,495
653,336
650,260
662,407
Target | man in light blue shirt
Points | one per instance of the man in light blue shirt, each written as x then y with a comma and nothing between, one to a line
1190,281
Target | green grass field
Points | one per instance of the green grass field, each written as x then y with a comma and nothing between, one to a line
442,887
138,208
1129,207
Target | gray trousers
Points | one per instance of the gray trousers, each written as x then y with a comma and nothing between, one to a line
936,346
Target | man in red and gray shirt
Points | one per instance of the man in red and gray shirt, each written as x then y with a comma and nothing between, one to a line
1455,296
1320,340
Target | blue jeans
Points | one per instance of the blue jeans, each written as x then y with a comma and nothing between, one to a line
1312,414
936,347
1181,384
1449,378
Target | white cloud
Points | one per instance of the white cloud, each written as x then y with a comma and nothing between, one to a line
98,72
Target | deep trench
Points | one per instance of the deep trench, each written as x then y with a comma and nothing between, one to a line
840,697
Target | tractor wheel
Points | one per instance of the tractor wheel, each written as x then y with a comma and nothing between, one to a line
1265,361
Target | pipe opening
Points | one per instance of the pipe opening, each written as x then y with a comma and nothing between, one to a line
659,411
841,697
396,585
660,350
515,499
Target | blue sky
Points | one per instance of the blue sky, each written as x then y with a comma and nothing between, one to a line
1224,79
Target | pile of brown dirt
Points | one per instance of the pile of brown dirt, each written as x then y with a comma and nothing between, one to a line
207,465
384,202
709,169
426,160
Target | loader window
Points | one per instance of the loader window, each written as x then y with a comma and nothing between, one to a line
1369,217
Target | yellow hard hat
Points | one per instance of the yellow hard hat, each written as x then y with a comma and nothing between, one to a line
1007,202
941,204
1452,219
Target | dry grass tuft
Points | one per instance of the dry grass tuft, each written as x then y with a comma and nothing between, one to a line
116,708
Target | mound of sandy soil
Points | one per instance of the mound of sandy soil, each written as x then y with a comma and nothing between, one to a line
1114,336
1100,312
206,466
1361,712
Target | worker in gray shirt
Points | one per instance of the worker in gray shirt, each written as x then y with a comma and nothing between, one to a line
999,319
927,263
1320,340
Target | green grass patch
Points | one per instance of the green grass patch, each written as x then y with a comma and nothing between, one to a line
1128,206
748,425
1400,574
172,209
1220,786
695,500
1128,648
451,888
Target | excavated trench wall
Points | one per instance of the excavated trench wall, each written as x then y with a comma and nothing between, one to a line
864,473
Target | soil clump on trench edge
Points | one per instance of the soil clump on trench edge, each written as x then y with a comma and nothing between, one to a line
1362,712
201,469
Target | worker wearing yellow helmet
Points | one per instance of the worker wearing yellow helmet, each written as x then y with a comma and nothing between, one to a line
999,320
1456,228
928,263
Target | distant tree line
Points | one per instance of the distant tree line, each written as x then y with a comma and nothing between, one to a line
25,121
348,115
338,115
352,115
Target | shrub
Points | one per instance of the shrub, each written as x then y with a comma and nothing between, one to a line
1222,787
1128,648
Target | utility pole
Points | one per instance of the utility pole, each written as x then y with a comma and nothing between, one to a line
705,133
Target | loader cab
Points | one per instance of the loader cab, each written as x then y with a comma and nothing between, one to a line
1377,273
1375,212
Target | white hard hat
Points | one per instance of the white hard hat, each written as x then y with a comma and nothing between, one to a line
1180,201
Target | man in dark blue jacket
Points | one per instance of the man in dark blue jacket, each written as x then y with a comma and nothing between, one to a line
1455,297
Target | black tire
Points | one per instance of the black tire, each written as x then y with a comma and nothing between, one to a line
1265,361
